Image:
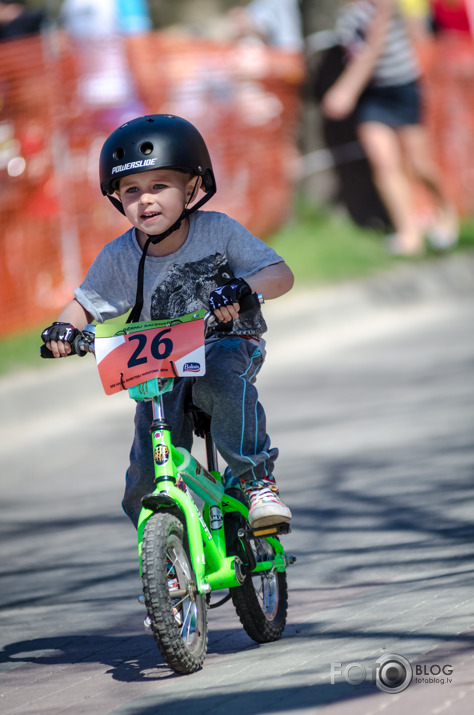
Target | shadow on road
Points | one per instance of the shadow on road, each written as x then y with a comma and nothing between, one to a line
135,659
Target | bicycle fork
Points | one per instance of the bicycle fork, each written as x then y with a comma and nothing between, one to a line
212,568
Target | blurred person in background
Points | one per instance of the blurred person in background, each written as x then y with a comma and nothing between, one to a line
97,29
17,21
381,85
456,16
86,18
274,22
439,17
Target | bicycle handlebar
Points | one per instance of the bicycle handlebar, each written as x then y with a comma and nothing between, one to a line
251,302
84,343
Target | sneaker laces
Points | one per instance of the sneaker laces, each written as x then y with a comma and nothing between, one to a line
262,491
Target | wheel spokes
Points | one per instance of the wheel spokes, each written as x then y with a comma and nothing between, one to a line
267,594
189,627
184,608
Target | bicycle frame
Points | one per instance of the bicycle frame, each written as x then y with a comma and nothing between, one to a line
185,551
213,568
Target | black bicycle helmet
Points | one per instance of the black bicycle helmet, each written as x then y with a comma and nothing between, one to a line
156,141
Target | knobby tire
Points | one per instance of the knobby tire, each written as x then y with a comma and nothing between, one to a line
262,601
179,625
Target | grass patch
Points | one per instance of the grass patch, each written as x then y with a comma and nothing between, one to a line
21,351
466,234
319,246
322,247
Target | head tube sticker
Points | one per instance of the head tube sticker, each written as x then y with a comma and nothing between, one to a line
161,454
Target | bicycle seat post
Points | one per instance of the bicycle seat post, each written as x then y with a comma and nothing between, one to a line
211,452
202,428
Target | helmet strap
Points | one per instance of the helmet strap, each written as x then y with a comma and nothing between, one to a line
134,316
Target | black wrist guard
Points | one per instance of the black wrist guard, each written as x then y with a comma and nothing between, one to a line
231,292
60,332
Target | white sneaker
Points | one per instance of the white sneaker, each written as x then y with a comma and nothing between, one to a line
266,507
173,585
147,625
147,621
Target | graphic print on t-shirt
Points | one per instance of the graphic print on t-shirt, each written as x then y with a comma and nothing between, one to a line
187,287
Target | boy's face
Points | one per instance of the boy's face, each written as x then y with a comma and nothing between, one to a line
154,200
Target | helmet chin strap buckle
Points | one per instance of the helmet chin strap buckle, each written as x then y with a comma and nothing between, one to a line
161,236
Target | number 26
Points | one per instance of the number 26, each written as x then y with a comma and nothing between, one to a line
160,347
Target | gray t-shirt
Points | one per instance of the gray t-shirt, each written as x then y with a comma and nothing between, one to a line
217,249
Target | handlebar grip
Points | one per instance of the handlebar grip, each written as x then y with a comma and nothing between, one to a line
46,352
250,302
75,349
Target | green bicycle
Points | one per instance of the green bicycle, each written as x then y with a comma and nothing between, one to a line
187,551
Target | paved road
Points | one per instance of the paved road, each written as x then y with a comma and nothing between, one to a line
374,417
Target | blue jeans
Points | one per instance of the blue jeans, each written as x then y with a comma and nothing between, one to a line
228,394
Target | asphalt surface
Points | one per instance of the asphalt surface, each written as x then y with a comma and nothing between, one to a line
369,394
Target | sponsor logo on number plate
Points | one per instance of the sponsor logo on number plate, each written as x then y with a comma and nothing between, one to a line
191,367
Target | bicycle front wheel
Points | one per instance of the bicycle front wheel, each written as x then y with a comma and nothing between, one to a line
178,613
262,600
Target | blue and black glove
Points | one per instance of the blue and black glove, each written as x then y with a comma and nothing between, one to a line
59,332
231,292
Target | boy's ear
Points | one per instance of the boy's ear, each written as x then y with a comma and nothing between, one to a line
194,184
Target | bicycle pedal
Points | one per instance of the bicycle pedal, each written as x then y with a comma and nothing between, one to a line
273,530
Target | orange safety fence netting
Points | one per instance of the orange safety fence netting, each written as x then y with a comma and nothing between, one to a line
449,85
58,103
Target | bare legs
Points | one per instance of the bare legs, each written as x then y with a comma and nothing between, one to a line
393,156
414,142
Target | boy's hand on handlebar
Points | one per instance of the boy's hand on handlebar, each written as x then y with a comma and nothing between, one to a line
227,313
59,337
224,301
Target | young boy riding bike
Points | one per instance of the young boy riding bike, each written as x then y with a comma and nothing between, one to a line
176,260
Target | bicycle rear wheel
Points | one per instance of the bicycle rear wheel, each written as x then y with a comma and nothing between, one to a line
178,613
262,600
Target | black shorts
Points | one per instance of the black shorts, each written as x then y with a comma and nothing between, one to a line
396,106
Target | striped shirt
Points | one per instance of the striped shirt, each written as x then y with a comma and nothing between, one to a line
397,63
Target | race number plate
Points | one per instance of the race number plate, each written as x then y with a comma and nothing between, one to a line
130,354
